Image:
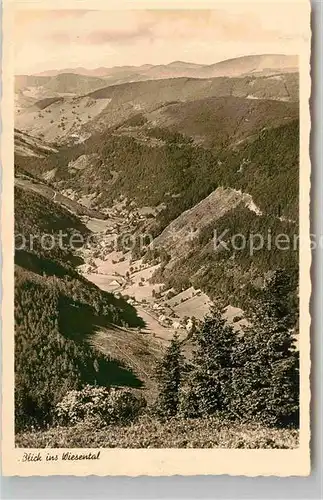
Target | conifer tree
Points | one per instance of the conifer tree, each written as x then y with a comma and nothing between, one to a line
266,378
168,375
210,377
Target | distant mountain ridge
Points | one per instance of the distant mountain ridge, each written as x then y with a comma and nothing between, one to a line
72,82
229,67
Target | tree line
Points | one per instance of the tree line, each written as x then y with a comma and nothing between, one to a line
251,375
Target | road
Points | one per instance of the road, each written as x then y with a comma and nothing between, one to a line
154,327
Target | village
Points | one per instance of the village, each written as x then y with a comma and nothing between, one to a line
114,266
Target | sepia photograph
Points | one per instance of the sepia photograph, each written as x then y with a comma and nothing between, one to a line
159,228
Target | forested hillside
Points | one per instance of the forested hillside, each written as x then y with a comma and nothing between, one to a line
254,149
228,275
267,169
180,174
57,311
69,120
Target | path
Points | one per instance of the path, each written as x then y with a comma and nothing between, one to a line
153,326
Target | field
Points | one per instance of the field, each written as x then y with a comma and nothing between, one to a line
175,433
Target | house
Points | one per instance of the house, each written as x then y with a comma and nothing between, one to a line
115,283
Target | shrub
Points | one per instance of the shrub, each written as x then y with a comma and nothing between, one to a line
147,432
136,120
101,404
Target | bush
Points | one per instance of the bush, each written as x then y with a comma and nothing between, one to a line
137,120
148,432
100,404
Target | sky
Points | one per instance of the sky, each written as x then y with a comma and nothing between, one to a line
57,39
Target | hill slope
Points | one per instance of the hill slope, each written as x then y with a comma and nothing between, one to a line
266,64
155,165
69,119
264,204
65,326
60,84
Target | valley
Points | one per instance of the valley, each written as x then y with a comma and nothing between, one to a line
163,310
153,167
